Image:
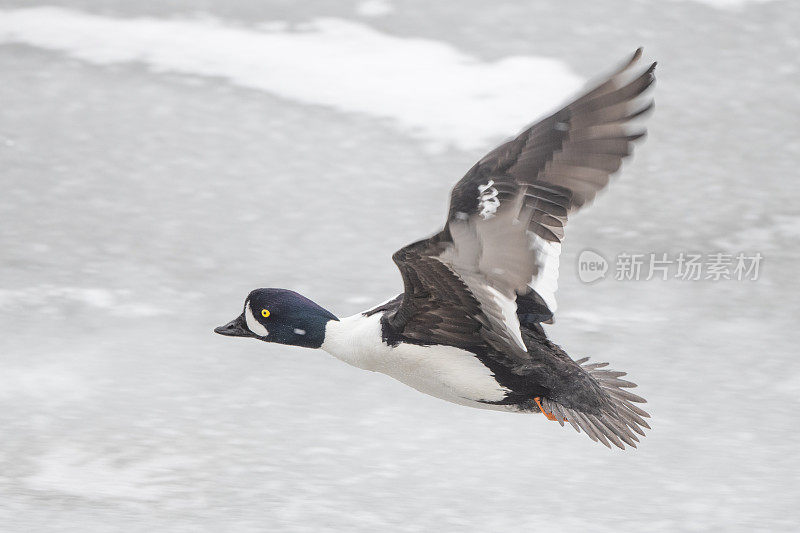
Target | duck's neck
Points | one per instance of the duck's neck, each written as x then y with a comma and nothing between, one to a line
356,340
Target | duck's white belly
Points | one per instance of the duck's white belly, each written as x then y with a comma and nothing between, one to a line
445,372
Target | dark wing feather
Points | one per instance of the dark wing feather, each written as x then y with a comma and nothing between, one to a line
506,221
618,420
438,307
557,165
588,396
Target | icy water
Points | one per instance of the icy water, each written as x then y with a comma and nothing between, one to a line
159,160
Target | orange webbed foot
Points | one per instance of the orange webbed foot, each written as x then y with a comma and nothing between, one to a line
549,416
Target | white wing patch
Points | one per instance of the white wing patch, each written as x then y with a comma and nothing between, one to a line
509,309
545,282
252,324
487,200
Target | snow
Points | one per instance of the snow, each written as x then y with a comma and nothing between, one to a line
424,86
117,302
728,4
74,471
374,8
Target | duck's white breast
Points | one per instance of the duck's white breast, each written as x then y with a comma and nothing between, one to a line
445,372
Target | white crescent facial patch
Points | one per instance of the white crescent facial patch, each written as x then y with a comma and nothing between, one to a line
252,324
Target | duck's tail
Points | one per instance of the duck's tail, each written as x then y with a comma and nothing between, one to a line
617,422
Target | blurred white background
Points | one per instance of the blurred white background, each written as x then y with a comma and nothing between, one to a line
160,159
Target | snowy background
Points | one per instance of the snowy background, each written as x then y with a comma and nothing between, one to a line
160,159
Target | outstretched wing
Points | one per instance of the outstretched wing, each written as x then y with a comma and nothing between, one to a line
506,219
551,169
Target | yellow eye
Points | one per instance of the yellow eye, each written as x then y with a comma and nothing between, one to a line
264,313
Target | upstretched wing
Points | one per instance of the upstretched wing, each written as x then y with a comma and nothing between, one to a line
503,234
550,170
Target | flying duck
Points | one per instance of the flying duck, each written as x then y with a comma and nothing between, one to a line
468,326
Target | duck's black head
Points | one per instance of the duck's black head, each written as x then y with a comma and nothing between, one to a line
280,315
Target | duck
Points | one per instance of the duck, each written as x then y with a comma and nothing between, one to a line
468,326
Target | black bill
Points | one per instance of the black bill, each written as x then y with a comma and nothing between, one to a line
235,328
